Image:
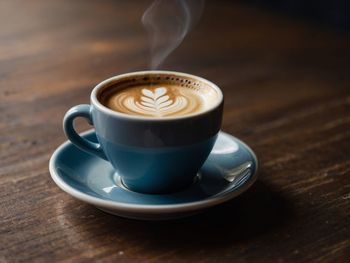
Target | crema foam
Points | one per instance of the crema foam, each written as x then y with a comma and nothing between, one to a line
158,100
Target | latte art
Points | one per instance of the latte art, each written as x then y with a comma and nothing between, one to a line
156,101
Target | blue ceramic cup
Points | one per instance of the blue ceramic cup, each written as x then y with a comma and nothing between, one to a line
150,154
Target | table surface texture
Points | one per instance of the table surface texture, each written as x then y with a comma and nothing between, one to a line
286,83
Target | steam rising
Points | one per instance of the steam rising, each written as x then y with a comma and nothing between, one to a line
168,22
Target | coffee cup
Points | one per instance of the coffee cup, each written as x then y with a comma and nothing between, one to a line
156,128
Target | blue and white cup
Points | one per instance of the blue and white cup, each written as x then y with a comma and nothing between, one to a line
151,155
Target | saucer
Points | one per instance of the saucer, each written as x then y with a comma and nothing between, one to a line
229,170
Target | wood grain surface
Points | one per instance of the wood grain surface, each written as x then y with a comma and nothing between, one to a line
287,90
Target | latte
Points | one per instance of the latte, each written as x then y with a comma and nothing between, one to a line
159,99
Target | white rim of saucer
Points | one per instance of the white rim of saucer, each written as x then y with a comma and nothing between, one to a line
150,209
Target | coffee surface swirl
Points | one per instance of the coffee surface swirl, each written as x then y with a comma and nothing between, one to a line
159,100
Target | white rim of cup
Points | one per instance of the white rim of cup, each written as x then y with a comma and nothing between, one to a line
106,110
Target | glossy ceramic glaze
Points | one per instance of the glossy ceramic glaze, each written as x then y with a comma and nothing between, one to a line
152,155
158,170
229,170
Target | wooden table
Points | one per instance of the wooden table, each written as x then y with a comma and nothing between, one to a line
287,93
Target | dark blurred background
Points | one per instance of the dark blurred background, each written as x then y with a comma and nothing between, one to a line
334,13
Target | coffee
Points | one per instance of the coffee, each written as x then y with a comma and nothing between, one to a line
156,128
162,99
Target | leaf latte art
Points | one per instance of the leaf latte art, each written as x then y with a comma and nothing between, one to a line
156,101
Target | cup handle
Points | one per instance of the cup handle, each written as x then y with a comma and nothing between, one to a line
84,111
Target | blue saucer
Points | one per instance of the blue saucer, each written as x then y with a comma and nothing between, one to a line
229,170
